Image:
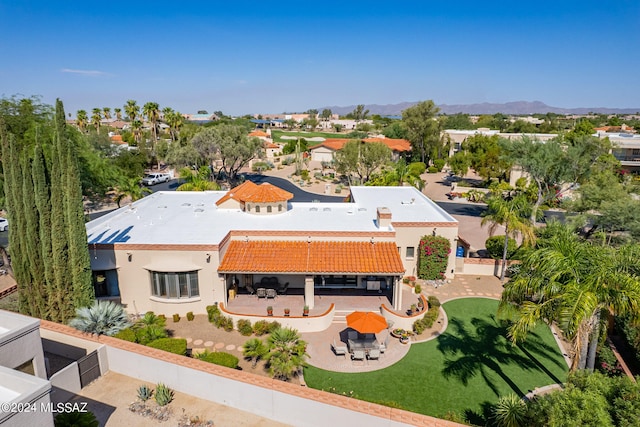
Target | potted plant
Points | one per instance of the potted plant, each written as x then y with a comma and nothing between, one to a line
305,310
287,312
269,310
414,308
404,338
420,304
417,288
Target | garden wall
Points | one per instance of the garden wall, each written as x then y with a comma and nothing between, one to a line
266,397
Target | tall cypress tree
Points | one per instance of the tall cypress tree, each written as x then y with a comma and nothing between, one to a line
48,238
76,232
43,205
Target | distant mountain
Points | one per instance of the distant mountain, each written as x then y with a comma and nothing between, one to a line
515,108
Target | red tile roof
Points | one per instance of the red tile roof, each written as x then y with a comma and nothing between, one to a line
117,139
394,144
328,257
250,192
258,133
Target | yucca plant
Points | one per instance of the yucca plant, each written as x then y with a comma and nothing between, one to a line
76,418
510,411
102,318
164,395
145,393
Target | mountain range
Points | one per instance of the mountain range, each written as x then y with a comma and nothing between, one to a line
511,108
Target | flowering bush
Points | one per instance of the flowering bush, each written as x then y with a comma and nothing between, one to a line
433,257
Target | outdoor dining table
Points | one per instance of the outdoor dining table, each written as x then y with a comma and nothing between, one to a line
363,344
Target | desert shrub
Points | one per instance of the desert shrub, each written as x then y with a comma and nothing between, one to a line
176,318
433,301
417,168
261,327
273,326
172,345
439,164
219,358
433,169
228,324
150,333
495,246
212,312
127,334
417,288
190,316
164,395
244,327
260,166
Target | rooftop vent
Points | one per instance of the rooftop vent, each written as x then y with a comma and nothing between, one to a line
326,209
162,207
198,210
186,204
362,209
412,201
313,209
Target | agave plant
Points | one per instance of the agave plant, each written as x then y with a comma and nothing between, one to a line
102,318
164,395
145,393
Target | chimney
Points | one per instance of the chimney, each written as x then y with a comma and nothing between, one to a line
384,217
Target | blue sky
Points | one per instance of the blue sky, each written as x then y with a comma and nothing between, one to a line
269,57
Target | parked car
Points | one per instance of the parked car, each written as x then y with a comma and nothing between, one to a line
4,224
155,178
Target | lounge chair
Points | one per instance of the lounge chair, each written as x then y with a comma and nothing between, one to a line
261,292
358,355
339,350
374,354
283,289
271,293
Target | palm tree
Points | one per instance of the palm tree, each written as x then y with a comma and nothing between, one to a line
136,127
152,111
118,112
106,111
254,349
287,353
131,188
102,318
81,120
198,181
574,283
131,110
512,214
96,116
175,121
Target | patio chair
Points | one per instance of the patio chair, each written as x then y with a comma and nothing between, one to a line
374,354
358,355
352,335
271,293
339,350
383,345
261,292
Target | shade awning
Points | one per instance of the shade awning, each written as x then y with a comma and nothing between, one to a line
325,257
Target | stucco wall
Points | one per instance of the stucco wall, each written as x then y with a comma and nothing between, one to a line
22,345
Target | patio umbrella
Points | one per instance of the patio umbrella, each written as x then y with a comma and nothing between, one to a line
366,322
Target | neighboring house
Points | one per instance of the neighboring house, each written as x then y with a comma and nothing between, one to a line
200,118
626,149
23,376
325,151
457,137
175,252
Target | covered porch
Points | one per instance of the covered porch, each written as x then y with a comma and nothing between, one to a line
312,274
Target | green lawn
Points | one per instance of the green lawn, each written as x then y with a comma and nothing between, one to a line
277,135
463,370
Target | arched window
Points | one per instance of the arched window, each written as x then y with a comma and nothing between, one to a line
269,209
279,208
257,209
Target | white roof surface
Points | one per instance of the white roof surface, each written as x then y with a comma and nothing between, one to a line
180,217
